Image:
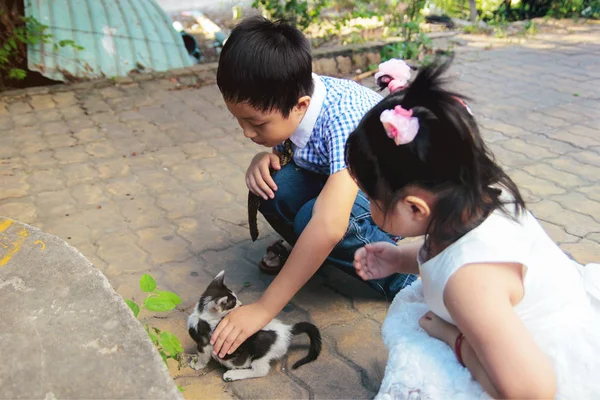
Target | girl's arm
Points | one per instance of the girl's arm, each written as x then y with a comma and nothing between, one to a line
326,228
498,349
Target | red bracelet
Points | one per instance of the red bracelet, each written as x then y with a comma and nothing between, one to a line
457,345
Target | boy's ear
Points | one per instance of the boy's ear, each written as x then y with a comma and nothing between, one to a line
303,104
419,207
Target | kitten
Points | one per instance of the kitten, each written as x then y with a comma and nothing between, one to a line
252,359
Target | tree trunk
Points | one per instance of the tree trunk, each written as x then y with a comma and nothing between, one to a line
473,8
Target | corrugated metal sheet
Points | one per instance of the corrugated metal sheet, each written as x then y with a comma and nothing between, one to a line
118,36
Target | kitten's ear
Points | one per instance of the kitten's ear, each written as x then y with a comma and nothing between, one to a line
219,278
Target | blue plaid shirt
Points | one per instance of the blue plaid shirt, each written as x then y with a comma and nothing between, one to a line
343,103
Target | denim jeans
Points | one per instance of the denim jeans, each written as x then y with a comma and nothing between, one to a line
291,210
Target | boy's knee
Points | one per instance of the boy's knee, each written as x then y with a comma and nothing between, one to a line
303,217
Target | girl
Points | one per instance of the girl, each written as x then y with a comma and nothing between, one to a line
504,301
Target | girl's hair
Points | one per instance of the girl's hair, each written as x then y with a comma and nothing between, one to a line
266,64
447,157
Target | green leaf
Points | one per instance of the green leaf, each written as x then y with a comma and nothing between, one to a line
17,74
170,343
170,296
134,307
147,283
181,389
158,304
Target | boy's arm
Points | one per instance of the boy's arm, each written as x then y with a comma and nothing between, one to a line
326,228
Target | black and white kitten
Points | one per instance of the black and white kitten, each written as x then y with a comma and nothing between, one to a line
252,359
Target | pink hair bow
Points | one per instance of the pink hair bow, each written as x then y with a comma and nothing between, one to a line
400,125
397,73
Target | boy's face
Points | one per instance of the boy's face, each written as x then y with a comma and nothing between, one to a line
268,128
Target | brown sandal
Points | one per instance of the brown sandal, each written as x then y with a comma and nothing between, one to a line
280,252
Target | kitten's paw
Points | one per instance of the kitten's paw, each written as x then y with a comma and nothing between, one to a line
230,376
196,364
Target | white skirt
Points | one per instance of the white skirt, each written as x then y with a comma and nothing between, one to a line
421,367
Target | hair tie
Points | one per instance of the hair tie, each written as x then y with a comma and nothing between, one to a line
394,73
400,125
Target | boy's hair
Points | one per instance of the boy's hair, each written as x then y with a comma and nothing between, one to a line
266,64
448,157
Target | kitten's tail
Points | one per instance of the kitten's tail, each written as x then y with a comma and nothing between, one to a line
315,341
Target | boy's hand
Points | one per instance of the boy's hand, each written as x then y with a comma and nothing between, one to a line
238,326
377,260
258,176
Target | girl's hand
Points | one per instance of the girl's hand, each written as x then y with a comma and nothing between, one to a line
377,260
258,175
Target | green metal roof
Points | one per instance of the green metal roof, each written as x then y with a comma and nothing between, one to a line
118,36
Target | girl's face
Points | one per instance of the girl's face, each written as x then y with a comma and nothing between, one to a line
409,217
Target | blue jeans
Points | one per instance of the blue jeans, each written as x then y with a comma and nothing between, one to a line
291,210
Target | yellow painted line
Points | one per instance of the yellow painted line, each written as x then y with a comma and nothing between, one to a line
22,235
4,225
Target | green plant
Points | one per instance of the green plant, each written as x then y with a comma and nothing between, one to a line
301,13
16,33
168,344
419,48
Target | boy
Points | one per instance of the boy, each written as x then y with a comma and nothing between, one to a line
265,77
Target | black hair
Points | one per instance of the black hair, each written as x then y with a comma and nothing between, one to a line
266,64
447,157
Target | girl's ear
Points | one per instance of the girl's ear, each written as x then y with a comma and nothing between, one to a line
420,208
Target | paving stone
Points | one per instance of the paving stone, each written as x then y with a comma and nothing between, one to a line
23,209
55,203
163,244
141,212
345,383
532,151
55,128
122,254
93,194
67,155
360,343
577,202
585,251
75,234
60,140
540,187
42,102
177,204
19,107
87,135
200,150
64,99
79,173
101,149
114,168
593,192
585,171
202,234
552,145
574,223
558,233
46,180
14,186
564,179
160,181
128,187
